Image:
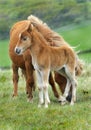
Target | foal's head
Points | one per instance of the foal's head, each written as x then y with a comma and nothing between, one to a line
25,40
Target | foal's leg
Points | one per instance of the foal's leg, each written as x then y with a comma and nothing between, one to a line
15,79
71,75
45,76
40,87
74,85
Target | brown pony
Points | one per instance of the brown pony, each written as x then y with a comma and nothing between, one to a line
45,59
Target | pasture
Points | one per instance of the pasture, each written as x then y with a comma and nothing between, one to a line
18,114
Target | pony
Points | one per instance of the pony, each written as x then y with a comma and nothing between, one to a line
45,59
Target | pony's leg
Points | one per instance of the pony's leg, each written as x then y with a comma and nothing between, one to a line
52,83
66,92
61,81
29,75
29,80
15,79
40,88
45,77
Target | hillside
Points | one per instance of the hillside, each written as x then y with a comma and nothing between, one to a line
55,13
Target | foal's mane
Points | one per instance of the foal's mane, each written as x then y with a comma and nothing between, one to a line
51,37
37,36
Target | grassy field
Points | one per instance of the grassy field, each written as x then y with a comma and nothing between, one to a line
18,114
4,56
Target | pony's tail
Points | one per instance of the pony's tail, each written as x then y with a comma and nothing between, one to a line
79,67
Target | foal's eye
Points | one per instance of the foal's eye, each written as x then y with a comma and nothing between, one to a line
24,38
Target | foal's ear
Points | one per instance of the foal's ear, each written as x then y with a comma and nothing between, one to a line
30,26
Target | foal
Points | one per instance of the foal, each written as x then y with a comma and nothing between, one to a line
45,59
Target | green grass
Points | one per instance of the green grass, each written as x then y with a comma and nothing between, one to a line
18,114
4,56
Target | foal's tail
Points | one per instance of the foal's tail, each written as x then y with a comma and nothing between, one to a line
79,66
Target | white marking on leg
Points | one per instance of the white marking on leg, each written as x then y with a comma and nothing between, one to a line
67,88
45,76
71,76
73,92
47,100
40,87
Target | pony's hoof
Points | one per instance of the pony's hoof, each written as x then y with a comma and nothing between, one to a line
30,100
72,103
14,98
14,95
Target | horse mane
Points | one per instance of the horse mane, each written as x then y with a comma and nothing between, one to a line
53,38
33,18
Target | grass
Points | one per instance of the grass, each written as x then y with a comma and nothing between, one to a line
18,114
4,56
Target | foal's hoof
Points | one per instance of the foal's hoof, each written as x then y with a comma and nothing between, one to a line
61,99
46,105
63,103
72,103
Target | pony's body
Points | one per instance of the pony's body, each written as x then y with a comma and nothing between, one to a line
46,59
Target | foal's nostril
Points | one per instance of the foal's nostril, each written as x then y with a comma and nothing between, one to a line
17,50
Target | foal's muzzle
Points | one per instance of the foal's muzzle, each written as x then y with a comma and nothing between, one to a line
18,50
